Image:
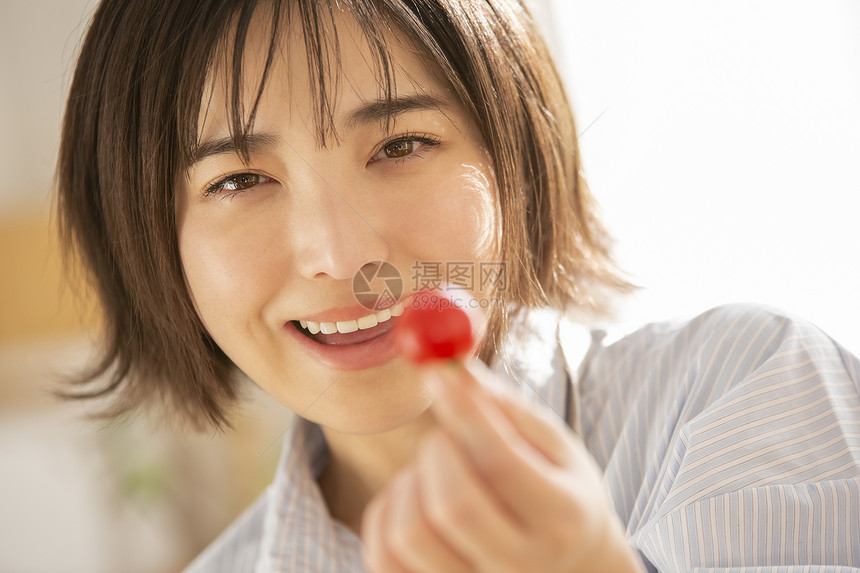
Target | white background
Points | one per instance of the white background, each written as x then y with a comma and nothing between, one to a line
727,155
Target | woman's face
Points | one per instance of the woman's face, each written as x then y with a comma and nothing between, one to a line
279,240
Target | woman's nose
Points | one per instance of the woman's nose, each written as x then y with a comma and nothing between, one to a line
335,236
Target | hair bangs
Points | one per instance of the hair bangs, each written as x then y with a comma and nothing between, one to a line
320,47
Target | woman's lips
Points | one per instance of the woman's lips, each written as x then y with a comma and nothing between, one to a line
357,350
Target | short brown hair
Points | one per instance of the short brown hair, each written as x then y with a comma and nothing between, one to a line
130,129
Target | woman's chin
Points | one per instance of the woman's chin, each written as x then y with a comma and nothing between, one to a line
370,401
379,418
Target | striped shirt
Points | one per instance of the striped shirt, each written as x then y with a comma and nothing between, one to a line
729,444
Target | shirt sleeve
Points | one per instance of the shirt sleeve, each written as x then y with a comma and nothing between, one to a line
237,548
731,443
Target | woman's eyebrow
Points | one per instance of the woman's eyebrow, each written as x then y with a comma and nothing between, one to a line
377,111
382,110
256,142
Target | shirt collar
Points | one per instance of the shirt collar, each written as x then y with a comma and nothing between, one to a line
299,535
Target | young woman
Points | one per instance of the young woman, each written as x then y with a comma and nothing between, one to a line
228,170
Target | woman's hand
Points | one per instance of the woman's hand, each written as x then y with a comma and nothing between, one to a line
498,488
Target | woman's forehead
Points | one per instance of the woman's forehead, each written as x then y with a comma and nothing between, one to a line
318,81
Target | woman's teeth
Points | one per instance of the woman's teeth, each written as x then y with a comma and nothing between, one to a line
362,323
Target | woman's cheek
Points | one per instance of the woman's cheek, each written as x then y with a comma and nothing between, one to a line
451,216
477,184
231,268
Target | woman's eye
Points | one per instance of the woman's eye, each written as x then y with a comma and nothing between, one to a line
235,184
404,146
399,148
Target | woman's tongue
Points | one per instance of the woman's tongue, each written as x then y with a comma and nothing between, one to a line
357,337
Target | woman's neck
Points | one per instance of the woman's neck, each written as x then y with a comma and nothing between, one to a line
360,466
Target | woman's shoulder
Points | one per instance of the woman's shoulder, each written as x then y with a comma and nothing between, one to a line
667,387
741,404
721,347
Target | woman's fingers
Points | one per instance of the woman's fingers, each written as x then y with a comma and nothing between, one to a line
410,537
438,516
523,479
374,552
459,507
542,428
498,486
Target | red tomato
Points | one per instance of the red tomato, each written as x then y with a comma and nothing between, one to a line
433,327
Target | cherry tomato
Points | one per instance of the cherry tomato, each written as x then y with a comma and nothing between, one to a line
433,327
